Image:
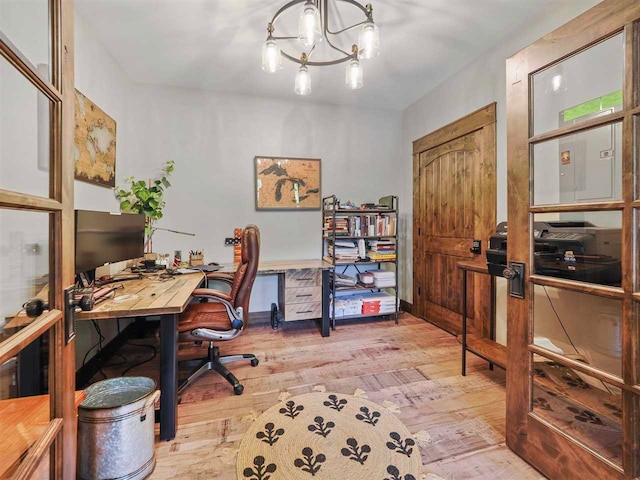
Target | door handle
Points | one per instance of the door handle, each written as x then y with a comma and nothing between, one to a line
514,274
476,247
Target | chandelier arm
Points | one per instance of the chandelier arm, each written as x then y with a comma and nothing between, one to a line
316,64
326,29
350,2
346,29
284,38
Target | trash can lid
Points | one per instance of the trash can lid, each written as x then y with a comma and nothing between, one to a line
116,392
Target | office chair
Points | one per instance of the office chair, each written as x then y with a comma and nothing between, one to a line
223,316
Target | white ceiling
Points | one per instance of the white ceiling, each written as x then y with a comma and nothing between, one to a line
216,44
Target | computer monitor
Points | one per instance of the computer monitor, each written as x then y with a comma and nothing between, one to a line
103,237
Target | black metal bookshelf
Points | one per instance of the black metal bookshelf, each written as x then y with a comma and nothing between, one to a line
331,210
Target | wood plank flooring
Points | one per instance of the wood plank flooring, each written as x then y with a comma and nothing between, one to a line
414,364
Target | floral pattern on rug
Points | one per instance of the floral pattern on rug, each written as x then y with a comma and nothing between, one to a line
328,436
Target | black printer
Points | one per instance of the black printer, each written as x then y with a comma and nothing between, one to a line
571,250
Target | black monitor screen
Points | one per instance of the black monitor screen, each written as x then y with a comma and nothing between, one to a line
103,237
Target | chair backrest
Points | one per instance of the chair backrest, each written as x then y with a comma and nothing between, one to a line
247,270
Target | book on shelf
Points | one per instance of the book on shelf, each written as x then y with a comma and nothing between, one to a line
361,225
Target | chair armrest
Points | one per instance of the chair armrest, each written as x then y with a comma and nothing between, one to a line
235,314
226,278
212,294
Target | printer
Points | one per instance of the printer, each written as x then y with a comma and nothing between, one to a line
565,249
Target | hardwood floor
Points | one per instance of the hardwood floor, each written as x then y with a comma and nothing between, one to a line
414,365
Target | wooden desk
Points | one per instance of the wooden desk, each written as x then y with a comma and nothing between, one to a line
167,299
486,348
296,278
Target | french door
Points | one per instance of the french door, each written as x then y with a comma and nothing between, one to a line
37,411
573,143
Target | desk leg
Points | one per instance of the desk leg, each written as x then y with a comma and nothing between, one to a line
325,303
168,376
464,322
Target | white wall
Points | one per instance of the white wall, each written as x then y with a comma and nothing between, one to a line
99,77
214,137
478,84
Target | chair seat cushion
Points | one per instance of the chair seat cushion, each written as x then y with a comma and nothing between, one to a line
204,315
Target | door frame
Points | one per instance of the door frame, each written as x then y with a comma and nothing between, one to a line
59,437
482,119
545,446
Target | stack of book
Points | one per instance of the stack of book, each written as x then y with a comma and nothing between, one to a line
382,250
343,251
383,278
341,226
380,303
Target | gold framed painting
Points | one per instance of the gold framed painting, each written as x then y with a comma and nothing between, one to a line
284,183
94,144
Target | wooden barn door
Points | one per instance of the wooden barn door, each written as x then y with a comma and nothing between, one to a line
573,131
454,204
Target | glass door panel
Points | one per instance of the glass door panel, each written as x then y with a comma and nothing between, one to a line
573,90
581,327
578,168
26,24
25,121
24,256
583,407
581,246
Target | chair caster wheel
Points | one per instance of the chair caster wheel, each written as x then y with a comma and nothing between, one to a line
255,362
238,389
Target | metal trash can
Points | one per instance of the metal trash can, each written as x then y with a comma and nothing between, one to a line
115,429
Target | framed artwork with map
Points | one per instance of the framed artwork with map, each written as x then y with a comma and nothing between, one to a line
284,183
94,144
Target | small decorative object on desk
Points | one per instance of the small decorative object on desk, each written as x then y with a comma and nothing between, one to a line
237,246
196,258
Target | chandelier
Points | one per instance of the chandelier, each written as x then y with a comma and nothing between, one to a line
313,29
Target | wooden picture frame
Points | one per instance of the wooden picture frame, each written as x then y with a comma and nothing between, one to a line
95,143
287,183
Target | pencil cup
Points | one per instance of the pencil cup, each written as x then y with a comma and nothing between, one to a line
196,260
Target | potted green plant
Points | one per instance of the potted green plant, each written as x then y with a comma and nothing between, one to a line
147,198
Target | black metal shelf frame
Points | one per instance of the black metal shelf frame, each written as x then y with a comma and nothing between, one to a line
332,212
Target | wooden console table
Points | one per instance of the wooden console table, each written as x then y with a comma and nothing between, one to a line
486,348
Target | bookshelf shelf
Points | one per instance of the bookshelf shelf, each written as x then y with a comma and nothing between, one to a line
357,229
356,237
359,212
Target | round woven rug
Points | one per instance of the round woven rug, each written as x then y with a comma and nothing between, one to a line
328,436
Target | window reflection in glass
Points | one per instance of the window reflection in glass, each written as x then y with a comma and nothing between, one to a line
579,168
577,89
580,405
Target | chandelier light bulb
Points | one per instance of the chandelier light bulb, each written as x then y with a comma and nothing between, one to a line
271,58
309,26
353,78
369,40
303,81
